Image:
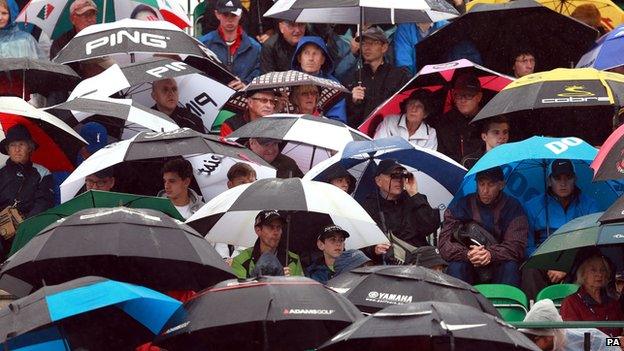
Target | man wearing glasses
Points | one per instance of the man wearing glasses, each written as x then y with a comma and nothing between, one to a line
269,150
278,50
260,103
456,137
524,63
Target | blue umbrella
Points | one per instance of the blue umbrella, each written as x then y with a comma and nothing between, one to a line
607,53
438,176
56,316
525,165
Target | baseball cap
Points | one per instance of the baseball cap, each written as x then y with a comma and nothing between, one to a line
494,173
467,81
266,216
330,230
388,166
374,33
81,6
229,6
559,167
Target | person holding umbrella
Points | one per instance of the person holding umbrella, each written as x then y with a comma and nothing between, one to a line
268,226
82,13
269,150
524,63
14,42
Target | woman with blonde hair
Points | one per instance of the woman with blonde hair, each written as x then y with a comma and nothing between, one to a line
15,43
304,99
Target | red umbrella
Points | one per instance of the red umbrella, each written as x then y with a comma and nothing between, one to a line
438,79
609,163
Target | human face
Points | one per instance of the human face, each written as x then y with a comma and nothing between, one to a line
270,234
562,185
5,16
497,134
93,182
342,182
165,93
488,189
306,101
19,151
415,112
373,50
268,150
524,64
391,184
595,274
241,180
228,21
261,104
467,101
332,246
291,31
175,187
83,20
311,58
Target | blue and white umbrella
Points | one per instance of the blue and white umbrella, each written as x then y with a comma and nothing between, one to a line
607,53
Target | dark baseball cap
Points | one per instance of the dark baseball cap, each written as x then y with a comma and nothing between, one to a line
494,173
229,6
266,216
559,167
374,33
331,230
388,166
467,81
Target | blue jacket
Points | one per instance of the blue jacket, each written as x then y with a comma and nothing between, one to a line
246,61
16,43
406,37
319,271
535,208
339,110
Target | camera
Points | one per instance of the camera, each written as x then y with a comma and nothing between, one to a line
400,175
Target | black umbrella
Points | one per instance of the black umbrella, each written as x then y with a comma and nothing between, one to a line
498,31
615,212
434,326
270,313
374,288
37,76
139,246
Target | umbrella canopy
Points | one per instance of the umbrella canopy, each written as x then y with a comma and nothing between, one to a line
609,163
270,313
525,165
497,31
561,102
311,139
606,54
560,250
377,287
140,246
615,212
58,143
230,217
439,79
361,11
83,311
29,76
52,16
210,156
90,199
430,326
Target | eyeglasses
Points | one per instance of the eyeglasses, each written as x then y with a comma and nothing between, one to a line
265,100
464,96
371,43
99,182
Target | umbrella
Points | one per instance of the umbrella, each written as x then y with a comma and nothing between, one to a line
606,54
609,163
52,16
270,313
525,165
438,176
140,246
311,139
430,326
330,91
36,76
497,31
90,199
615,212
559,252
377,287
561,102
439,79
210,156
58,143
310,206
89,312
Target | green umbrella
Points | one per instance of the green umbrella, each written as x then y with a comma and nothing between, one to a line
559,251
90,199
221,117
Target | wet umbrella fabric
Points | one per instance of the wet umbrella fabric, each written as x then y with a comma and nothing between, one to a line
430,326
615,212
270,313
139,246
606,54
74,313
37,76
609,163
377,287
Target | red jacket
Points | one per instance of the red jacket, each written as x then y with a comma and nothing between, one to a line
582,307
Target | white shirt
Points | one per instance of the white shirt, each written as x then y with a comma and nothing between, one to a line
396,125
185,211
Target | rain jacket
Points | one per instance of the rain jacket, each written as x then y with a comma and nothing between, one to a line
535,208
36,194
245,63
15,43
406,37
319,271
245,262
339,110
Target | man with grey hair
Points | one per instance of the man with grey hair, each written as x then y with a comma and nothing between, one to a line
165,94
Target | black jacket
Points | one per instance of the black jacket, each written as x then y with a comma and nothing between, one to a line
457,138
380,85
409,217
286,167
276,54
36,194
184,118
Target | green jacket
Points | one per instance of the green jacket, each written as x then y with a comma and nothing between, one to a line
245,262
